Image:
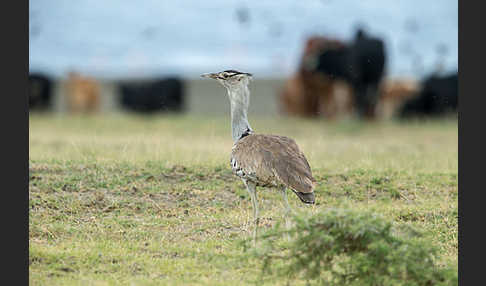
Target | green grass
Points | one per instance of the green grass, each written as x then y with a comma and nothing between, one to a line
128,200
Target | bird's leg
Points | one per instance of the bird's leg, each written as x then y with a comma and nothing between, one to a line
287,209
251,187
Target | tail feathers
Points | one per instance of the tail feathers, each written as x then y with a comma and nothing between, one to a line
306,198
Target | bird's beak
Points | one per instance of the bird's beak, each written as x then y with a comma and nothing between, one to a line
210,75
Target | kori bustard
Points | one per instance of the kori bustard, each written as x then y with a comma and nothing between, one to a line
263,160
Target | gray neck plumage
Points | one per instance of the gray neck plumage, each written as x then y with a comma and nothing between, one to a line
239,101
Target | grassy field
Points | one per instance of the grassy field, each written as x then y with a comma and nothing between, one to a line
128,200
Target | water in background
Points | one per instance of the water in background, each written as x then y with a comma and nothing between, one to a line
113,39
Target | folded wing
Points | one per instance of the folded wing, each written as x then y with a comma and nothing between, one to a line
275,159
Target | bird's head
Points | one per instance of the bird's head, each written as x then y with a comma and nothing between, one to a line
231,79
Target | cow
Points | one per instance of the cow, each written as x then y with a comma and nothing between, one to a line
438,96
313,94
157,96
393,93
361,64
83,93
40,91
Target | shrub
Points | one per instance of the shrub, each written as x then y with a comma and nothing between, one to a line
344,247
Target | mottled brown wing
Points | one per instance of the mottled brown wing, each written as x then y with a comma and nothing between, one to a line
267,157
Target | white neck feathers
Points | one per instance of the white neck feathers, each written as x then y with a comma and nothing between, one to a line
239,100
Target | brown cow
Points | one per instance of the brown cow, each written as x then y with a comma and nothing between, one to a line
315,94
393,93
83,93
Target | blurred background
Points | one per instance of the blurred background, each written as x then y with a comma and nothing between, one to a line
330,59
129,148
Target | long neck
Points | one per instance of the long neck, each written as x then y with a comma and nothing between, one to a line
239,100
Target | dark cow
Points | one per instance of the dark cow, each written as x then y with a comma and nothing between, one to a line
438,96
40,90
361,64
160,95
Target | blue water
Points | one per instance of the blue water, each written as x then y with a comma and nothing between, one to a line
112,39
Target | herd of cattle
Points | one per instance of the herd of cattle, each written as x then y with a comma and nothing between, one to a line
83,94
334,78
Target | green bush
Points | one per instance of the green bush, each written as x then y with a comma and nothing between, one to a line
344,247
